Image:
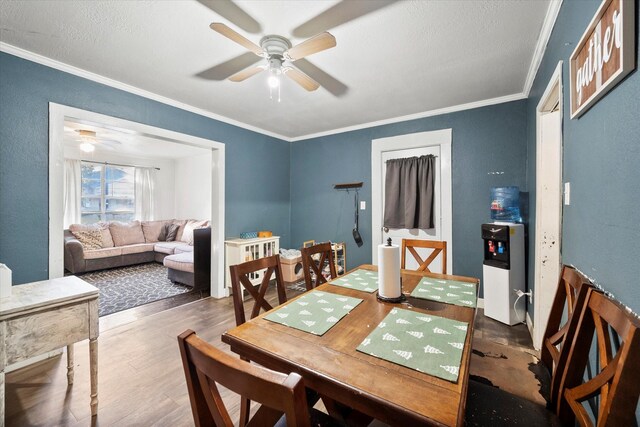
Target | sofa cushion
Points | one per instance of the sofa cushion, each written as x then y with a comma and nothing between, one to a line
102,253
187,233
126,233
183,248
152,230
167,247
137,248
107,241
89,239
182,262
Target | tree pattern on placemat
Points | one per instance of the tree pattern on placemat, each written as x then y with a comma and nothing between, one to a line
314,312
447,291
360,280
426,343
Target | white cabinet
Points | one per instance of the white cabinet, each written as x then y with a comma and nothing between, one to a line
238,251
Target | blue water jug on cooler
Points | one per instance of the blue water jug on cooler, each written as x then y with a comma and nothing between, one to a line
505,204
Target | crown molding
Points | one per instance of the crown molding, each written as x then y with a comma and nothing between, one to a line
545,33
48,62
52,63
430,113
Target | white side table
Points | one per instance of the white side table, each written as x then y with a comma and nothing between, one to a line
43,316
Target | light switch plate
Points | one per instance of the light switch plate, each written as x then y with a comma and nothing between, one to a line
567,193
363,205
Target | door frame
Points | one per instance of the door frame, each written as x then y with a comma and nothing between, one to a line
401,142
547,102
59,113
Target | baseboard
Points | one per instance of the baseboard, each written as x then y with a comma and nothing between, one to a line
33,360
480,303
530,327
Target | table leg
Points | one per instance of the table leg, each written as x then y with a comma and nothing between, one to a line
93,366
70,364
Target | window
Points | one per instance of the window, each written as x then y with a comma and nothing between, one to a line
108,193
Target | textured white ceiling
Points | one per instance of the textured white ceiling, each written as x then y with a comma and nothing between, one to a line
401,58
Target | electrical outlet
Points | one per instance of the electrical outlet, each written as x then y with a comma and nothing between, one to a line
567,193
363,205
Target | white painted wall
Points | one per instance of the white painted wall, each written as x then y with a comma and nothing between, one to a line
164,197
193,187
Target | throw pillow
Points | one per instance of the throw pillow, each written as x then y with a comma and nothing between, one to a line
107,241
162,237
187,233
172,232
90,239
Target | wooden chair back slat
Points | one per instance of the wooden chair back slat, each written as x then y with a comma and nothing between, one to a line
240,279
570,298
324,253
616,384
438,247
205,367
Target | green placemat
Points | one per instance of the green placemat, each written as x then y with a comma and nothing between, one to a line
447,291
360,280
314,312
426,343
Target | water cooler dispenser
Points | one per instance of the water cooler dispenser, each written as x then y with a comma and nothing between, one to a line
503,271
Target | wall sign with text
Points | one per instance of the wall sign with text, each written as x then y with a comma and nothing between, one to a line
604,55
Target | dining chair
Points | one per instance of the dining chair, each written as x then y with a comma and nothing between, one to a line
615,384
206,367
314,259
611,391
569,300
240,279
439,247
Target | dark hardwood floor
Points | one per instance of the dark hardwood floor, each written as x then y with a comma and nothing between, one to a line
141,382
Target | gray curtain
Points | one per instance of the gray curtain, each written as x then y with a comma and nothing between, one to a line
408,192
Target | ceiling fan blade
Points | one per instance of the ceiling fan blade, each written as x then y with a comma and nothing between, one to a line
234,14
245,74
236,37
301,78
225,69
315,44
330,83
338,14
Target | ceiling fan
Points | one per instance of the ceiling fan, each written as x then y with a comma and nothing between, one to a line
279,55
89,140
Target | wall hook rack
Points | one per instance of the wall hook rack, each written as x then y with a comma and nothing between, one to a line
346,186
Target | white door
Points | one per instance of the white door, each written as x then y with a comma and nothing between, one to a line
437,143
397,234
548,217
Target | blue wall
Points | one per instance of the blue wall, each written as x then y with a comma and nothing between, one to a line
484,140
600,229
257,166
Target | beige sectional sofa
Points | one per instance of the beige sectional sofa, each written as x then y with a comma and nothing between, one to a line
117,244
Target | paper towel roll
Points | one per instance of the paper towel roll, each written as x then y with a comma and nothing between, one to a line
389,271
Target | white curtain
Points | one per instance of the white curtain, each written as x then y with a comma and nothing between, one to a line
72,192
145,183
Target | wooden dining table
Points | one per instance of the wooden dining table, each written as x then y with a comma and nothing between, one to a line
331,365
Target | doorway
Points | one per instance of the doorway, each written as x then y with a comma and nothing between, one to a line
437,143
548,232
57,116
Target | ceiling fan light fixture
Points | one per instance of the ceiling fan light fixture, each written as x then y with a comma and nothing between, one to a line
273,81
87,147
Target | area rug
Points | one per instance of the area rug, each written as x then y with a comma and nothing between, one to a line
128,287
